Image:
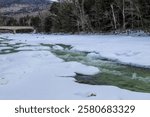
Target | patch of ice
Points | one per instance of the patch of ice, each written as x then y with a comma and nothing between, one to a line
57,47
82,69
93,55
3,45
5,48
33,48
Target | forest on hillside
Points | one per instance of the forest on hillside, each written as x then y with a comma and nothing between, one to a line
96,16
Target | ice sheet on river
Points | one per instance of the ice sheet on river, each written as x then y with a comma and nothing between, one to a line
41,75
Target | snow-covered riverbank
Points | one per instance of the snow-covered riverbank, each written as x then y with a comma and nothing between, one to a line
38,74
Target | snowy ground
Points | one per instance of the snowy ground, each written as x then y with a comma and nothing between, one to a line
38,74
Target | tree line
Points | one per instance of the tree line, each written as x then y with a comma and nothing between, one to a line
91,16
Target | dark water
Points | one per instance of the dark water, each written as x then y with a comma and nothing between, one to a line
112,73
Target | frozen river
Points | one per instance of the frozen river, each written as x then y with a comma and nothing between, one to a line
35,66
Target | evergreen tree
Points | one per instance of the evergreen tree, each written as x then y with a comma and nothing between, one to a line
63,19
12,22
36,22
48,24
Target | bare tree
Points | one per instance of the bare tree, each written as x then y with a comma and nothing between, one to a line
114,18
82,18
123,14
